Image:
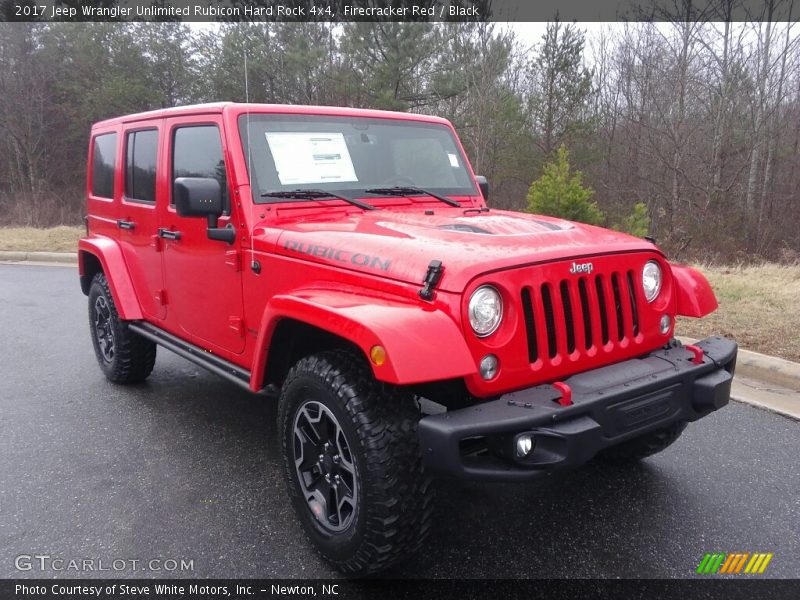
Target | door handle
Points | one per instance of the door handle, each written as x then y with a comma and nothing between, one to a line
168,234
125,224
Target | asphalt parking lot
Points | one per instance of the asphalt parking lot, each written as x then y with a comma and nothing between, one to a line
186,466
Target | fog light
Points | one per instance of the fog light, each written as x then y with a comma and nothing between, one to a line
665,324
524,445
488,366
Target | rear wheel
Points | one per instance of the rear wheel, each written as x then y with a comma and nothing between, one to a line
645,445
123,356
352,463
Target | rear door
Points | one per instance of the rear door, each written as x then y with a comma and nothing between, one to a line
137,215
203,276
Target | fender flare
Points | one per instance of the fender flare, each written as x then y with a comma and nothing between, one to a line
695,297
422,344
109,255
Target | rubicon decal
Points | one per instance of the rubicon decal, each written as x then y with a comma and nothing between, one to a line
735,563
357,258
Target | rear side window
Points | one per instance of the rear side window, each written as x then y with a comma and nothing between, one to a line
104,162
197,152
141,152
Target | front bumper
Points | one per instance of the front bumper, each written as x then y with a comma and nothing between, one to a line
611,405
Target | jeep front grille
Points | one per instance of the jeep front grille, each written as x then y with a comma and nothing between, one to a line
578,314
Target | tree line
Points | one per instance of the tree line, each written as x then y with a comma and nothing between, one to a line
690,129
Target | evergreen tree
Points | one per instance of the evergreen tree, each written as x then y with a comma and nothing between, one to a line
561,85
637,223
559,192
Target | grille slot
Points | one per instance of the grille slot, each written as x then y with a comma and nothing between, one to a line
632,300
587,313
601,299
618,306
569,319
550,320
572,315
530,325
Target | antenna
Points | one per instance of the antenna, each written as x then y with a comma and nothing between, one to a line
249,157
247,114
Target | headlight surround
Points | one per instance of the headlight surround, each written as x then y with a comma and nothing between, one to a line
651,280
485,310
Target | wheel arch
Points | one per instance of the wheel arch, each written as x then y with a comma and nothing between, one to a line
412,336
89,266
297,339
103,255
695,297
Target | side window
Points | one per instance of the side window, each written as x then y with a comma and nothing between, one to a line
141,151
197,152
104,163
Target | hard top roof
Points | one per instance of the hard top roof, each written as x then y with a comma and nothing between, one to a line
241,108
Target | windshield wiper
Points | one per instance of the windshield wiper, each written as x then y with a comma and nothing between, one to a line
411,191
302,194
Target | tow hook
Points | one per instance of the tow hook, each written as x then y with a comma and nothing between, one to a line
432,277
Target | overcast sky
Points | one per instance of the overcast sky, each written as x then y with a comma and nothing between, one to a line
526,33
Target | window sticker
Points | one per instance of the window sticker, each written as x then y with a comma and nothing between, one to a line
453,160
302,158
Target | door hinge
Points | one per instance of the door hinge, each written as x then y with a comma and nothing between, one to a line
232,260
155,242
161,297
237,324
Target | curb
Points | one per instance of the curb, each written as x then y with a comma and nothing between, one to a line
769,368
48,257
764,368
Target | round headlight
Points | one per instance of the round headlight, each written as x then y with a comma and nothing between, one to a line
485,310
651,280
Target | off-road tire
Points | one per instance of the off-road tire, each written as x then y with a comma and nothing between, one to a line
133,356
394,504
643,446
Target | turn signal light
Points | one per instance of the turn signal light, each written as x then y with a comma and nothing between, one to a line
377,355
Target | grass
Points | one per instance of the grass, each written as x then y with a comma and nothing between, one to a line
759,306
29,239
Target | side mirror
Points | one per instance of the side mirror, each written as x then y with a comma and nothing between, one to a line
198,197
202,197
483,184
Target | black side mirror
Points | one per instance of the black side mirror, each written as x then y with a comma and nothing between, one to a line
202,197
198,197
483,184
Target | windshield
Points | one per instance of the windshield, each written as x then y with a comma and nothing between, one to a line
349,155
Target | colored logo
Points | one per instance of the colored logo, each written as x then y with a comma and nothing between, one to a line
720,563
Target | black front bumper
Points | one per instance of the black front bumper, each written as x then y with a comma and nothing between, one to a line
610,405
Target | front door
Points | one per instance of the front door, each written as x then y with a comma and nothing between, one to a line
203,276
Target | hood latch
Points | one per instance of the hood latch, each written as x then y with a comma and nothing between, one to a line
432,277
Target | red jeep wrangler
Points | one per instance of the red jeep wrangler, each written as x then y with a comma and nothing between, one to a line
348,258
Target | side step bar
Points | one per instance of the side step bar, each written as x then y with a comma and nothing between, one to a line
195,354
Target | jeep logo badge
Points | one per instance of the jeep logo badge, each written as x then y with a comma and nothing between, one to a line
581,268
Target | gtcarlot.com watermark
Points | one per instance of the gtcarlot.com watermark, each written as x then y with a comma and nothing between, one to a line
46,562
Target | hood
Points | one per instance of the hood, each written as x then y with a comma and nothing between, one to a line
399,244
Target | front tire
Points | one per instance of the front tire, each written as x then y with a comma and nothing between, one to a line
124,356
352,463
